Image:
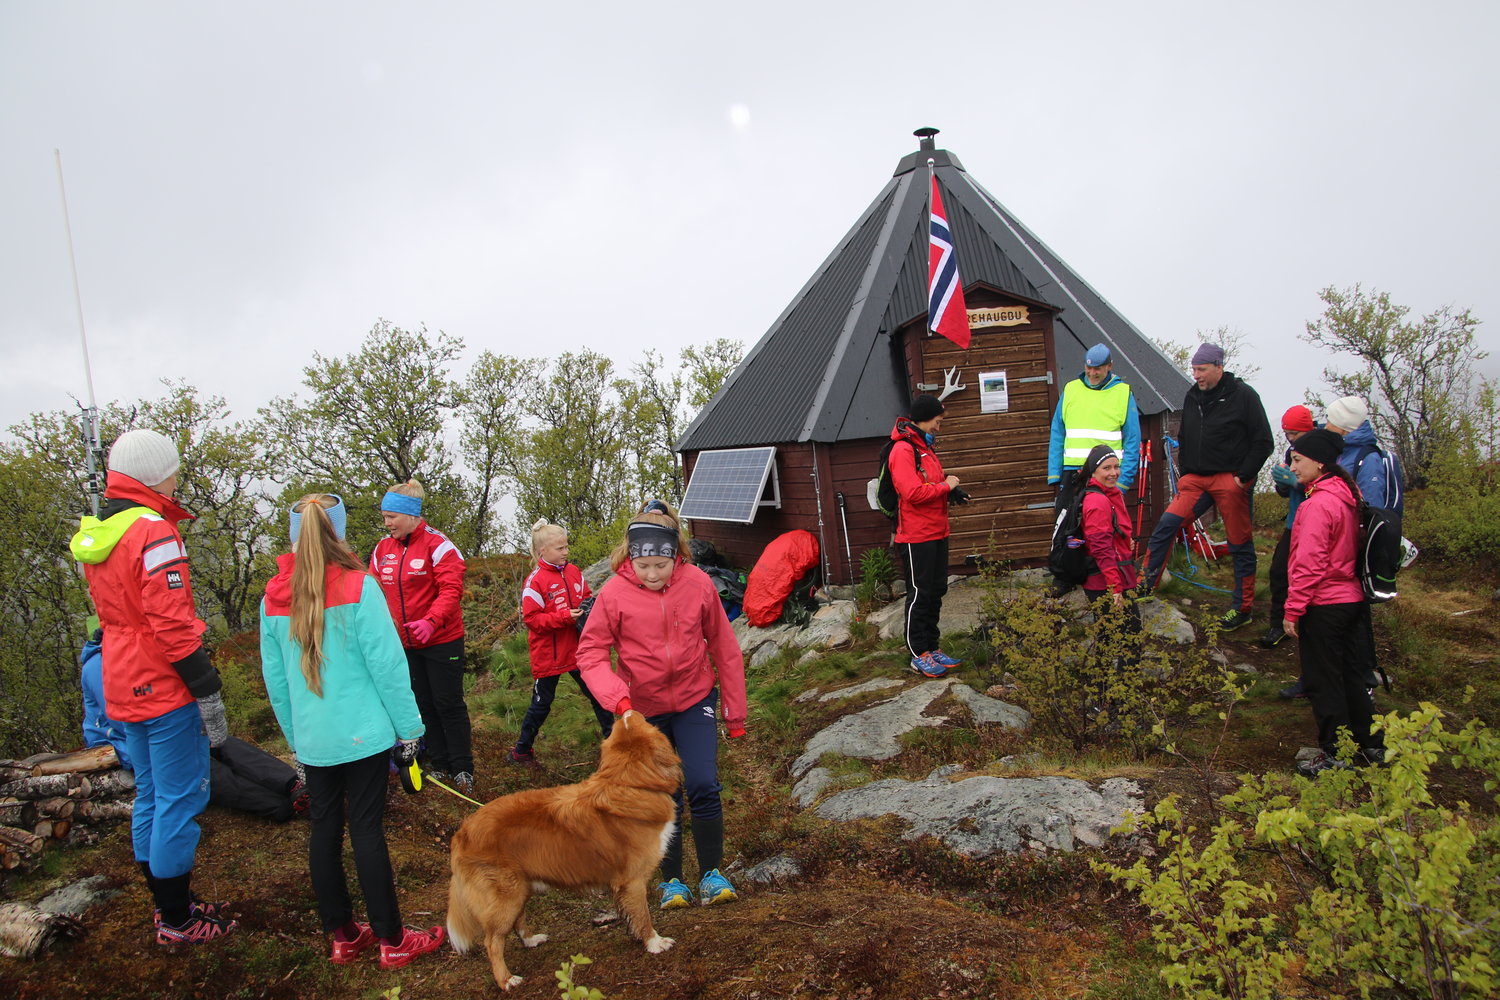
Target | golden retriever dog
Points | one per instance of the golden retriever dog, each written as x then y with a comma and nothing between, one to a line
608,831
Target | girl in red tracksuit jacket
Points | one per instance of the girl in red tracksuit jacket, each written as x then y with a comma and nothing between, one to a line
422,575
1326,609
662,617
552,602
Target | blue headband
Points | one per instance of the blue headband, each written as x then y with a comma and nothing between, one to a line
337,514
400,503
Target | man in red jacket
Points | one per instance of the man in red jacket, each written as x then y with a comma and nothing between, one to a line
923,492
158,679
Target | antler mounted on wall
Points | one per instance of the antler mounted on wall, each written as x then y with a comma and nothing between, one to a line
949,387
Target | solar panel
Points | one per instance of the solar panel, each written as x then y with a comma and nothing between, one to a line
728,484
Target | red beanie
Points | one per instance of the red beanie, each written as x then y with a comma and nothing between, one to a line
1297,420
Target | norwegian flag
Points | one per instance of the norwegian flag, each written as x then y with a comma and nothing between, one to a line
946,313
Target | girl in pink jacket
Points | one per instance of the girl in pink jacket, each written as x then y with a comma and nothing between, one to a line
662,617
1326,609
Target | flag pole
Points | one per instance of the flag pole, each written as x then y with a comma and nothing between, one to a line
931,187
93,447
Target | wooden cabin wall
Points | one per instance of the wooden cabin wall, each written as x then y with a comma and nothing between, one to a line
999,458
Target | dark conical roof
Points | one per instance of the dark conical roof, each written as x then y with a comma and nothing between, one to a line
826,370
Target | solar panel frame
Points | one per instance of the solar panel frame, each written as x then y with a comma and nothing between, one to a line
728,484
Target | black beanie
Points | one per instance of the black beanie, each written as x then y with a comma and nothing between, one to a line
924,408
1322,446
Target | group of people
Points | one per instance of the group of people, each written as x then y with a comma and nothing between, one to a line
363,664
1224,440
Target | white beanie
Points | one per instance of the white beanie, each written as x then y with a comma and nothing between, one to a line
1348,413
145,456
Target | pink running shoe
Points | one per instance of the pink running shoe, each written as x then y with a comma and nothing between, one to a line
199,929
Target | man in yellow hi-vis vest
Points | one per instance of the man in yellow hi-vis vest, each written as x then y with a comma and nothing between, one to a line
1095,408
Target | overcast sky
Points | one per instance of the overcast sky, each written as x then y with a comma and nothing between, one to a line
249,183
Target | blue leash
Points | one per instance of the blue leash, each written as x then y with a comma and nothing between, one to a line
1190,576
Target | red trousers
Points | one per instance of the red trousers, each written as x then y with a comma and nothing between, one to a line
1231,499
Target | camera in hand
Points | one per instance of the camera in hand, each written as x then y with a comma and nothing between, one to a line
584,608
959,495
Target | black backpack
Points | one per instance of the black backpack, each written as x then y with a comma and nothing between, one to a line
1069,559
1378,553
881,491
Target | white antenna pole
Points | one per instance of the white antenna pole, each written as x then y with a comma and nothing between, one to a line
93,448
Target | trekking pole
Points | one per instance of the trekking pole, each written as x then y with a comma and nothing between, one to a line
1141,490
844,520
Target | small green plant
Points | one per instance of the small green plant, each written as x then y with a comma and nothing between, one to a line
877,571
394,993
566,988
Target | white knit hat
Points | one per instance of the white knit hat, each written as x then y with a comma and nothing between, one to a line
145,456
1348,413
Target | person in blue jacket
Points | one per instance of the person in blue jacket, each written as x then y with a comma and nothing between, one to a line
338,682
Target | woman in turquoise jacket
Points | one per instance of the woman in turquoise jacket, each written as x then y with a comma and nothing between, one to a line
337,680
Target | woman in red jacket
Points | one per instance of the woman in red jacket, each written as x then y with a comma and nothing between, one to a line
422,575
662,617
1106,531
1326,609
552,602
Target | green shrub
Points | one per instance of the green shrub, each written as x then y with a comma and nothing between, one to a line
877,571
1458,515
1085,680
1397,894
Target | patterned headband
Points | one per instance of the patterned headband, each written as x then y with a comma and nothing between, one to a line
644,539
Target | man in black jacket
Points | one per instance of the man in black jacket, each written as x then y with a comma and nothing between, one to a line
1225,439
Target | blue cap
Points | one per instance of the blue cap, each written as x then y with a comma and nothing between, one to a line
337,514
1097,355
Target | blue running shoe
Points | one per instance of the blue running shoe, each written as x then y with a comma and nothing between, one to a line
715,888
674,894
943,659
927,666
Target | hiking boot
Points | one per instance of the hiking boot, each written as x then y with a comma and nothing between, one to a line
715,888
1293,690
1322,762
198,908
927,666
414,943
345,952
463,782
433,774
525,758
199,928
1273,636
942,659
675,895
1371,757
1234,619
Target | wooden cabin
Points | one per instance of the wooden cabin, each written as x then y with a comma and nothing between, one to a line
815,400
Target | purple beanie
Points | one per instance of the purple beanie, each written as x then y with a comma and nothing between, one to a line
1209,354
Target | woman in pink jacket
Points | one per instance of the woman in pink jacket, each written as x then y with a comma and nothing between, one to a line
1325,606
662,617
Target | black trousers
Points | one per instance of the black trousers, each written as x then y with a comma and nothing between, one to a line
1335,661
926,583
437,680
352,793
1278,578
543,692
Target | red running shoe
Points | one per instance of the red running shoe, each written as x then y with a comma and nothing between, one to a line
345,952
413,944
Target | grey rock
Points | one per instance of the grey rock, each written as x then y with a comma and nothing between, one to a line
985,815
806,791
806,696
1163,621
991,710
829,627
1246,668
878,684
874,733
71,900
782,868
596,574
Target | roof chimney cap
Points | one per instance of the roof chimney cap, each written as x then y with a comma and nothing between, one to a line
925,134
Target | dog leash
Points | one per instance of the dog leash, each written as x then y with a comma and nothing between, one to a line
452,791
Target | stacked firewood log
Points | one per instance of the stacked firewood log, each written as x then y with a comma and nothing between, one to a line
59,797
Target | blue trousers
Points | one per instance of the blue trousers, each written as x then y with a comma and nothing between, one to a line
170,754
543,693
694,733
